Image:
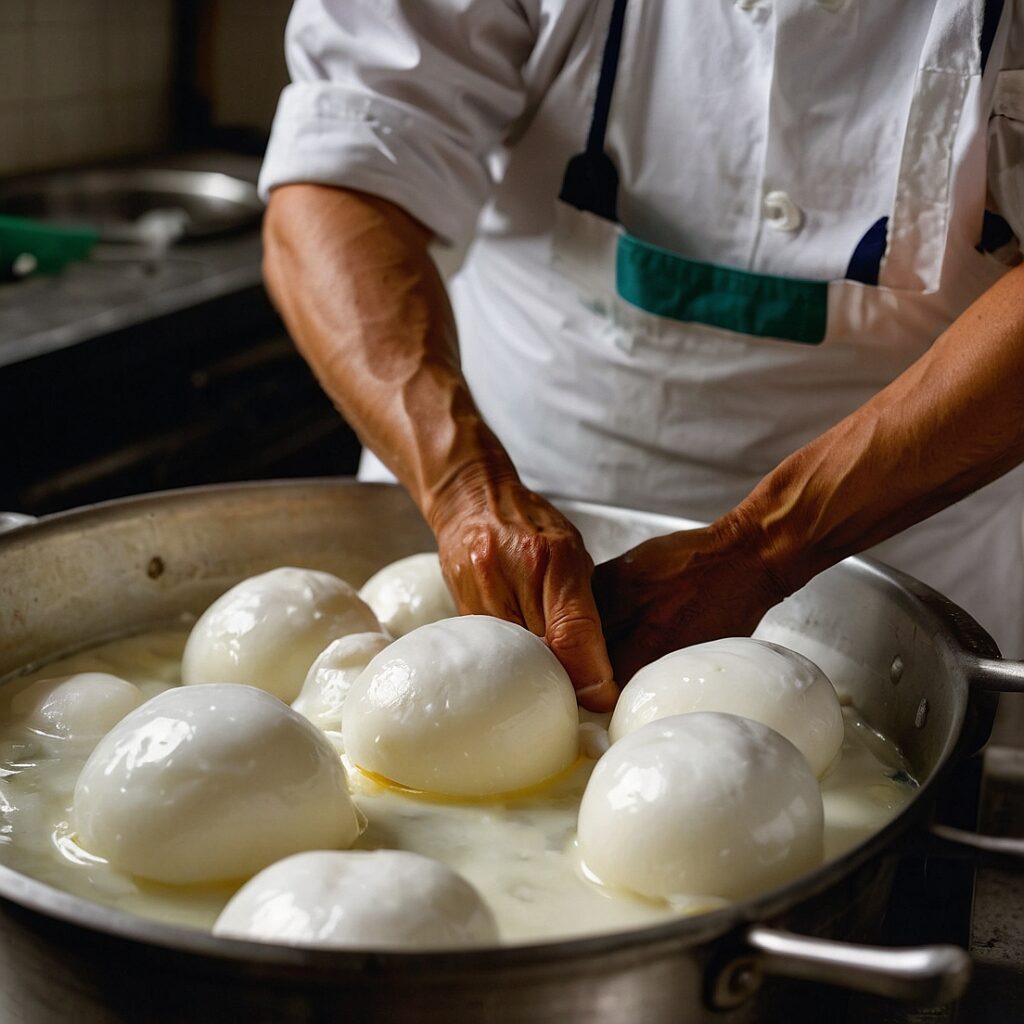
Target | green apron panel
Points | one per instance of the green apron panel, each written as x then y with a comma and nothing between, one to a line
659,281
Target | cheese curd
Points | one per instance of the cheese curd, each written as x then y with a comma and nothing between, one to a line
267,630
78,708
409,593
472,706
704,804
211,783
739,676
385,899
331,676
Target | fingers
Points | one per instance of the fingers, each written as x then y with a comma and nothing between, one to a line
578,644
477,581
540,581
573,632
496,570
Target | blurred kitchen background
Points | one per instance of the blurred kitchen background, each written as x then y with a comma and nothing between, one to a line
138,350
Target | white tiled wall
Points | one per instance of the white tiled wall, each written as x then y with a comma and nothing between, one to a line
81,80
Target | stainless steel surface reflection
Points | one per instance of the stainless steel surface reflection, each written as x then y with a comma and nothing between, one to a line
138,205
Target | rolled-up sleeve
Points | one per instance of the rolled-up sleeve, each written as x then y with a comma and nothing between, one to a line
404,99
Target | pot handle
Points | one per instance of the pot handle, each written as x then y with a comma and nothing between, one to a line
996,851
995,675
14,520
924,975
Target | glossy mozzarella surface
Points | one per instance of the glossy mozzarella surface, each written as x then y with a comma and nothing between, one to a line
702,804
211,783
385,899
268,630
409,593
739,676
472,706
331,676
79,708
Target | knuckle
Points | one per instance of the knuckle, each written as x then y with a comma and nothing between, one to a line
568,550
534,556
534,546
481,546
571,631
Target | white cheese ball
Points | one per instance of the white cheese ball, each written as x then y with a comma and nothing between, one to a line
267,630
409,593
387,899
211,783
739,676
331,676
472,706
80,708
701,805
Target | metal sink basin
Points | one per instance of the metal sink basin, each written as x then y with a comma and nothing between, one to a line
138,205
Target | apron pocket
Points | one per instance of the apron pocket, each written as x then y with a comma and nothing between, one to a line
663,283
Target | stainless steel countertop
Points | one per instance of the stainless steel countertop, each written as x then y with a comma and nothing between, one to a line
123,285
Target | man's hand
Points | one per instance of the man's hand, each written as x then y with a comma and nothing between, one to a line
949,424
508,552
681,589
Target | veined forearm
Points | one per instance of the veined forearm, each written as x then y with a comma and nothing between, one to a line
355,283
361,296
953,422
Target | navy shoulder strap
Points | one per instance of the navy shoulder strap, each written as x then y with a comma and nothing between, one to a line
591,180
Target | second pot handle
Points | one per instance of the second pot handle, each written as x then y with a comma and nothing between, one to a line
996,675
924,975
998,851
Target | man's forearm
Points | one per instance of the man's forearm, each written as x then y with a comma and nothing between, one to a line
359,292
951,423
355,283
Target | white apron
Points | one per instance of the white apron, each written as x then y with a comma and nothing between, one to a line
672,384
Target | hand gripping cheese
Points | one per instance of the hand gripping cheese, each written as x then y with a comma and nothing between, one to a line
211,783
739,676
267,630
384,900
472,706
703,804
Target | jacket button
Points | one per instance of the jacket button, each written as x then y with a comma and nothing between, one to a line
781,213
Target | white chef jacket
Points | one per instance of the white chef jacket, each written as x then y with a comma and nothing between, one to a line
466,112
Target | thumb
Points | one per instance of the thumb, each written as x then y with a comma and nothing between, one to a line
573,632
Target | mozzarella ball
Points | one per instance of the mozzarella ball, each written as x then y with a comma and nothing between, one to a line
472,706
594,740
267,630
701,805
331,676
739,676
387,899
80,708
409,593
211,783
